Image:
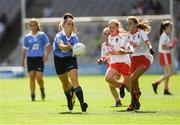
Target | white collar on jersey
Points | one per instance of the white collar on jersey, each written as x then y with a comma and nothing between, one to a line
68,38
72,34
30,33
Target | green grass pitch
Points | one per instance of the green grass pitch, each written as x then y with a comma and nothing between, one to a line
17,108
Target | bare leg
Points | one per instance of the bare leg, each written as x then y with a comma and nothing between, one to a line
39,77
67,87
73,74
110,77
167,73
127,82
135,76
32,84
65,81
135,90
114,92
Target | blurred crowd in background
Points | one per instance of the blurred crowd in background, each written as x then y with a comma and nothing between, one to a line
89,33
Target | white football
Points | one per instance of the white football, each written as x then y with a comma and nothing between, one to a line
79,49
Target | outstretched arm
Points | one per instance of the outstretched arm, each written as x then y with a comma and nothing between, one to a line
64,47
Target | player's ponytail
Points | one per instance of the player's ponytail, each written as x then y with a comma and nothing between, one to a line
163,25
144,25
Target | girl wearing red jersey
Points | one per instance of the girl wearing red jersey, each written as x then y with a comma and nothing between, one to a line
120,62
141,58
165,48
105,59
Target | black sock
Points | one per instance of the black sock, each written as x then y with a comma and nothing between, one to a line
72,89
68,94
33,97
42,89
79,94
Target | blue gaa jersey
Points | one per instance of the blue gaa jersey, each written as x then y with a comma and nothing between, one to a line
35,44
61,37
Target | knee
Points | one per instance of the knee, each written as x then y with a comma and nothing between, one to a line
32,78
39,79
108,78
169,74
127,81
133,79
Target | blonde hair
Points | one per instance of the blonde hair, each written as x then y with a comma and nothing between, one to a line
118,24
36,21
142,24
61,25
106,29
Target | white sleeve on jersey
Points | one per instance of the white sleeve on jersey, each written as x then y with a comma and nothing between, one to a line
163,39
125,43
144,35
103,50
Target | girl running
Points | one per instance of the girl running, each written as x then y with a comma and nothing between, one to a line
120,62
141,57
66,64
105,47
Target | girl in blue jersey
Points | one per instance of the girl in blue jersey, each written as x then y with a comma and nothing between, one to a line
66,84
36,49
66,64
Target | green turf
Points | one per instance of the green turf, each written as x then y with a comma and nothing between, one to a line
16,107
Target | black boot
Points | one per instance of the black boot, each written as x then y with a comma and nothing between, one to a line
155,86
166,92
79,94
33,97
69,96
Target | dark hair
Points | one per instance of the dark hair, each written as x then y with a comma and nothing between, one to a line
163,25
142,24
67,15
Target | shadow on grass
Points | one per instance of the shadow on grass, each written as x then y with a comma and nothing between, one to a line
137,111
41,101
73,113
113,106
65,105
145,111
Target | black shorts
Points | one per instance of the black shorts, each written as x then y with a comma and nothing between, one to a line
65,64
35,63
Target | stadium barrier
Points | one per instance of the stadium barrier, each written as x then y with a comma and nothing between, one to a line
94,69
49,70
11,72
84,69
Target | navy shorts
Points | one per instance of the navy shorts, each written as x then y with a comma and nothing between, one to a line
35,64
65,64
